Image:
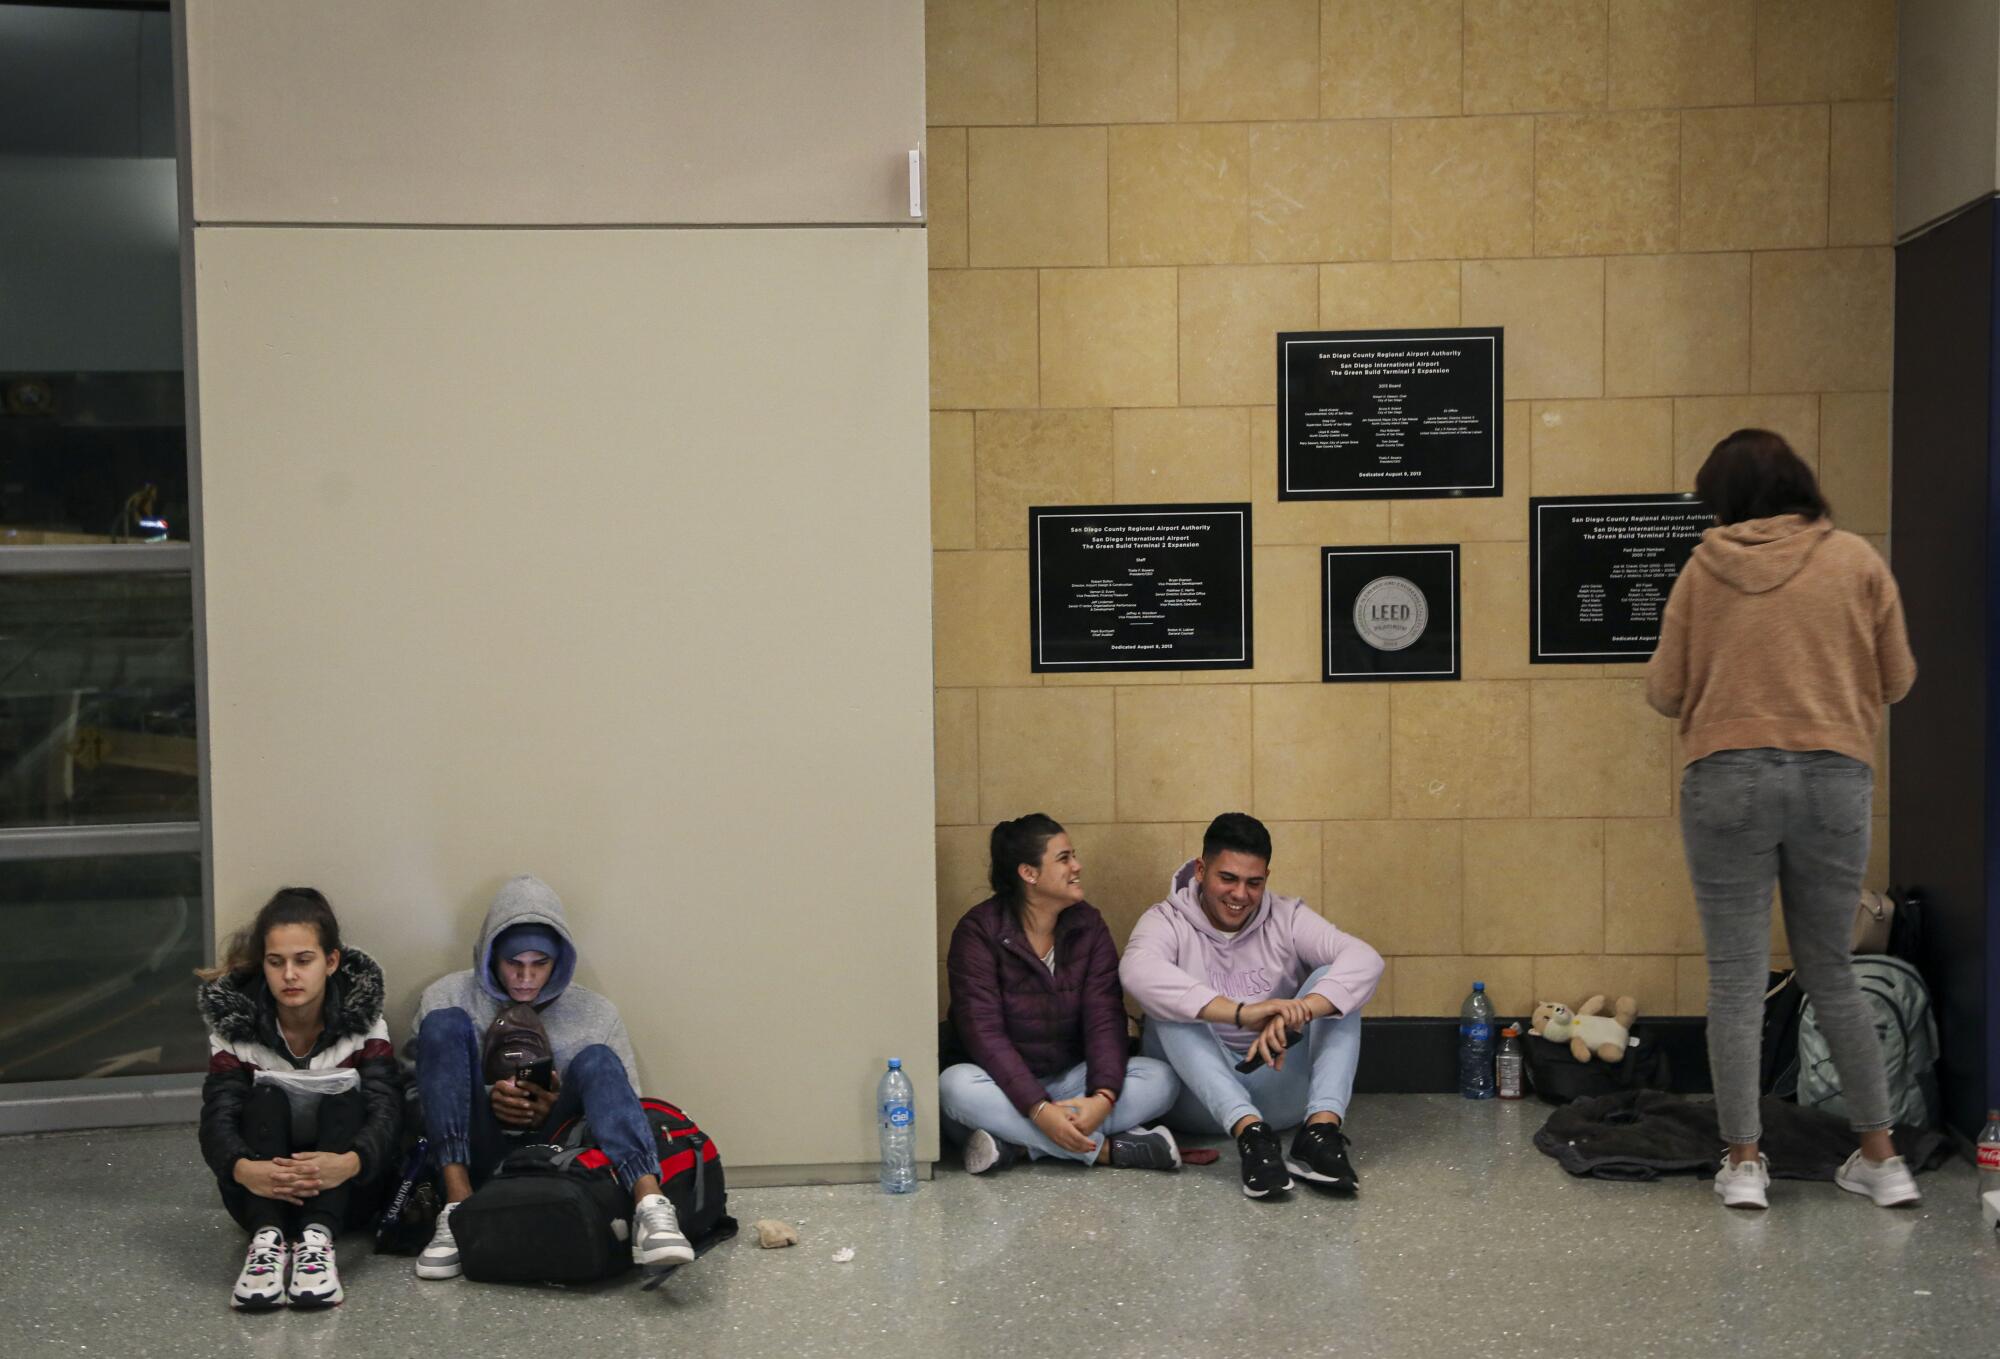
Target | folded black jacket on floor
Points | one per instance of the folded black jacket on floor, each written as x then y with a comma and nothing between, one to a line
1644,1134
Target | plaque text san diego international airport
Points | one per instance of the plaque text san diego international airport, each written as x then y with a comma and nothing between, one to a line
1390,414
1139,587
1600,569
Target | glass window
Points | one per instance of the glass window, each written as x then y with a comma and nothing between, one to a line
97,976
101,878
97,700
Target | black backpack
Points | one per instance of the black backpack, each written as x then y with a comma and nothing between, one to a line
554,1212
690,1168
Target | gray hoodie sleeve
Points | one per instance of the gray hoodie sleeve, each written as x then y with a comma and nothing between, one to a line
620,1042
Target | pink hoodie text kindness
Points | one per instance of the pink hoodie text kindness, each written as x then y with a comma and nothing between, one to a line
1177,962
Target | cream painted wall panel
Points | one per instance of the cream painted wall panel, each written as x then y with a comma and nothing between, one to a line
598,111
603,556
1947,107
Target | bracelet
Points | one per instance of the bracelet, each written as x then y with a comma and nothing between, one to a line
1109,1098
1239,1014
1040,1105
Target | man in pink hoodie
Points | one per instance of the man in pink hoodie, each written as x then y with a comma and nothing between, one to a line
1232,976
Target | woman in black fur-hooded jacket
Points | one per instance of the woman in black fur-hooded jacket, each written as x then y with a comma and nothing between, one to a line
303,1103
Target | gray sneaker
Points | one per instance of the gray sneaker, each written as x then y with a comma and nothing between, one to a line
656,1234
439,1260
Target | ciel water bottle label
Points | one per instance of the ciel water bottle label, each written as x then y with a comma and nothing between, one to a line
899,1115
1477,1032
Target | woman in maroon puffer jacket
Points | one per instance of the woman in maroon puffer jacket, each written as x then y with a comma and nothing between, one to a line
1036,1003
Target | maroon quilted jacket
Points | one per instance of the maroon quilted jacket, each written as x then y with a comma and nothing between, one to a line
1018,1021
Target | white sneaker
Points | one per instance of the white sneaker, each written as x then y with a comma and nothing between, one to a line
315,1280
1741,1184
656,1234
261,1285
439,1260
1889,1183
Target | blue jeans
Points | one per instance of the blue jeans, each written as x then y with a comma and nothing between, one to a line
1752,820
970,1099
1318,1076
459,1119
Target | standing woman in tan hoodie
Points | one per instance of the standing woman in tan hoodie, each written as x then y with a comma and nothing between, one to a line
1782,641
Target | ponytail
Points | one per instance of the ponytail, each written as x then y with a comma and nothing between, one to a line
1021,841
244,950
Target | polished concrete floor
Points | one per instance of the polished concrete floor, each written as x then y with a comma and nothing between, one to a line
1465,1241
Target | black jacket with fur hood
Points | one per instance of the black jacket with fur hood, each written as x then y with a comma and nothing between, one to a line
243,1038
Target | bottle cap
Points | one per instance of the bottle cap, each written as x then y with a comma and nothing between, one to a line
895,1064
1479,986
1511,1031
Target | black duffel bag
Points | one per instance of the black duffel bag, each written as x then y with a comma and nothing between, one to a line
1558,1078
554,1212
543,1218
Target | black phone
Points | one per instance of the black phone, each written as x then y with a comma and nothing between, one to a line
540,1073
1256,1059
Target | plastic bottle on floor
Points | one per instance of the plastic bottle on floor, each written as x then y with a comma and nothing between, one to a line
1475,1044
1989,1154
1507,1065
895,1104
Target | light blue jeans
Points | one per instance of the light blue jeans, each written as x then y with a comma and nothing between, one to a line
969,1099
1752,820
1318,1075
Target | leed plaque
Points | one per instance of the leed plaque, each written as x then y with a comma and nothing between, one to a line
1389,613
1139,587
1382,414
1601,569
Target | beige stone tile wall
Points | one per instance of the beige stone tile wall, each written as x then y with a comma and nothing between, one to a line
1680,211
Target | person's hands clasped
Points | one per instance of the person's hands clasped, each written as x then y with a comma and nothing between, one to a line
1089,1113
283,1179
522,1104
1059,1126
324,1169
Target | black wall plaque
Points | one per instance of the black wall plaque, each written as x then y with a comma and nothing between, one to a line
1600,570
1376,414
1139,587
1389,613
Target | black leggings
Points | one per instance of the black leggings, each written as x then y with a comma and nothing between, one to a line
267,1127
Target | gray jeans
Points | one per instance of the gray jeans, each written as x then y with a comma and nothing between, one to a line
1751,819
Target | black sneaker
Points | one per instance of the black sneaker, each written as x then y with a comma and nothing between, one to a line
1263,1167
1319,1154
1145,1149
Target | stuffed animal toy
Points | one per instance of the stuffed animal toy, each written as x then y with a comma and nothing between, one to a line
1589,1032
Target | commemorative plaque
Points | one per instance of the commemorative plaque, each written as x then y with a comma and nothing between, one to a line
1139,587
1601,568
1380,414
1389,613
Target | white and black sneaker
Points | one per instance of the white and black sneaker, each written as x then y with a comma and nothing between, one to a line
983,1152
656,1234
261,1285
1262,1163
1145,1149
1319,1155
315,1278
439,1260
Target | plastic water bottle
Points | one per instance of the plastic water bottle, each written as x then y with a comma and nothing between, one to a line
1475,1045
1989,1154
895,1102
1507,1066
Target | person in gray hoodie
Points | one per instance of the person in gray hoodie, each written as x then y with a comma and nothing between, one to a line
525,956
